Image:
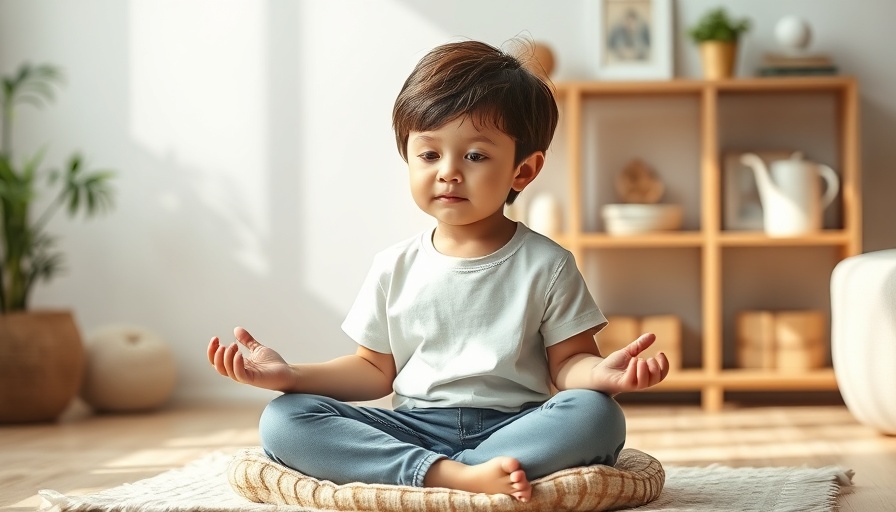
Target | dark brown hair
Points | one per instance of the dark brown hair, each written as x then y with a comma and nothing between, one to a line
476,80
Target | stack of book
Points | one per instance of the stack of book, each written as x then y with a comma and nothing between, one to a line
781,340
782,64
622,330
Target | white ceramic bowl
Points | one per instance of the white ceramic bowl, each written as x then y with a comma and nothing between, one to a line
633,219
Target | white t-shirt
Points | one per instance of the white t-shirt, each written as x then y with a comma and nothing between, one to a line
472,332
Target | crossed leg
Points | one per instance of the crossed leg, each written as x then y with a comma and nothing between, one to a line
574,428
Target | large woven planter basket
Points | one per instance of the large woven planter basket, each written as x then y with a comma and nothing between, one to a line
41,365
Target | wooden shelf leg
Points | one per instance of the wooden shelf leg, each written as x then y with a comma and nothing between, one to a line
712,398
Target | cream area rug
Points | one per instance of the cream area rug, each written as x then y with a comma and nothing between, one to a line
202,486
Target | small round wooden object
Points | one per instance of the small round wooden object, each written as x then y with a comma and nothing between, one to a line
537,58
638,183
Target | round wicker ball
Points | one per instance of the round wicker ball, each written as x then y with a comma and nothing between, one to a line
129,368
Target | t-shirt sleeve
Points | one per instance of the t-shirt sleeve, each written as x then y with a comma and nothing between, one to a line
366,322
569,306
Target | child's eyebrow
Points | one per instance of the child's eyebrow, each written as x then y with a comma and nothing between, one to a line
428,138
482,138
423,138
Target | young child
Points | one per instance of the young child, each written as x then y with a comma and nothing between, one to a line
468,323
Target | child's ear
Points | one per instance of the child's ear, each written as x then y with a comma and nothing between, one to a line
527,170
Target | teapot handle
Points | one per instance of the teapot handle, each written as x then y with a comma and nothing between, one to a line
833,185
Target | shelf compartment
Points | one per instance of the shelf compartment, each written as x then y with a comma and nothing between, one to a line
775,279
662,131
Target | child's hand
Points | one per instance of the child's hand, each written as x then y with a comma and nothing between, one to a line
623,370
263,368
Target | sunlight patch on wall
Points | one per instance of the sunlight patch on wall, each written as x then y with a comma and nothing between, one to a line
198,104
355,56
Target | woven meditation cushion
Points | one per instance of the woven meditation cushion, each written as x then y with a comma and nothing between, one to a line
636,479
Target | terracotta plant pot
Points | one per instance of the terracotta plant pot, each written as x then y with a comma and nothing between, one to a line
41,366
717,59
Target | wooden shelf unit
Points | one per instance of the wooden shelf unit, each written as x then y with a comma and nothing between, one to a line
712,379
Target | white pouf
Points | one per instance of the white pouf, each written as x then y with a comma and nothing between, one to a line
129,368
863,336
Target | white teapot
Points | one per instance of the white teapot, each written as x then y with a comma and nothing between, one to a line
792,202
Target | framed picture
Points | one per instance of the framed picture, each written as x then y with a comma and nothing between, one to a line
741,206
634,39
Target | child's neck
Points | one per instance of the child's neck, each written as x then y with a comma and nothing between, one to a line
473,240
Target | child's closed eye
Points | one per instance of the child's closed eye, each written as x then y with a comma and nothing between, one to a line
428,156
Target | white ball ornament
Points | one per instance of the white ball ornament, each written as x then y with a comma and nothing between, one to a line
129,368
793,33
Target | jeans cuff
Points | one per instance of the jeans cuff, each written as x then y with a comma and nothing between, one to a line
423,467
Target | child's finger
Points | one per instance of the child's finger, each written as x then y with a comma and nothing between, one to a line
219,361
239,368
639,345
653,366
246,339
212,348
631,373
663,361
643,374
232,350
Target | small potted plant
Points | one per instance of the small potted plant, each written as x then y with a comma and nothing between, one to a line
718,35
43,357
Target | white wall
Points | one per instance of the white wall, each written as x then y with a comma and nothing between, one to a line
257,169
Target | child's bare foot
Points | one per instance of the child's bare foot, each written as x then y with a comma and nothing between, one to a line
501,475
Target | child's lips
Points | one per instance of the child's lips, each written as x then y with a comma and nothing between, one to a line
448,198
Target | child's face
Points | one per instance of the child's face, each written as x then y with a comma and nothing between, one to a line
461,172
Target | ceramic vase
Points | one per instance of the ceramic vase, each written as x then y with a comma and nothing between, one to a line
544,215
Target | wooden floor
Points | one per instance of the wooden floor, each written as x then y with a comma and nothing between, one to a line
84,453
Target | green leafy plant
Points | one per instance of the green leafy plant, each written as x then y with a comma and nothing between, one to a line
715,25
27,251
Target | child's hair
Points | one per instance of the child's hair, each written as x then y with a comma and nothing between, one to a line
479,81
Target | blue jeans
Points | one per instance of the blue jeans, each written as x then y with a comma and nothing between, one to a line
340,442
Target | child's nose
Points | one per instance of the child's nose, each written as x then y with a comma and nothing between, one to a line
449,172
